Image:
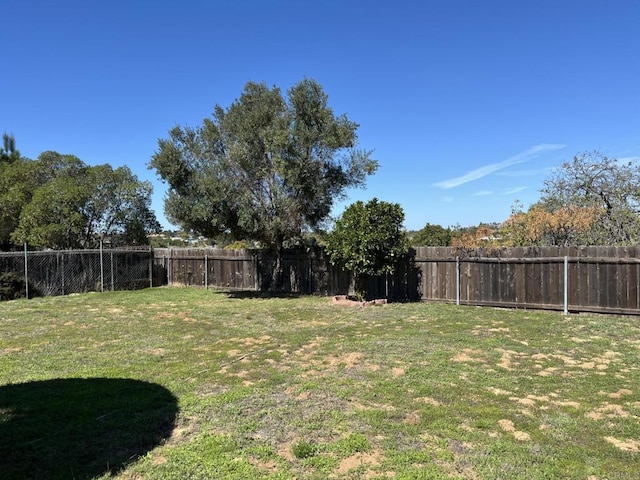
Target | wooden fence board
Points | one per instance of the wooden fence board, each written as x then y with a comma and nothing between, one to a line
593,274
535,287
572,277
583,279
633,284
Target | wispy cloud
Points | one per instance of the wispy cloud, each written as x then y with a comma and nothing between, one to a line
511,191
525,173
494,167
483,193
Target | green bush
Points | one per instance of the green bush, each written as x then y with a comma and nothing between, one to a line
12,286
304,449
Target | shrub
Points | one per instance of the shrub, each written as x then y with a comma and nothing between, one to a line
367,240
12,286
304,449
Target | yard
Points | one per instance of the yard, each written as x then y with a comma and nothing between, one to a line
170,383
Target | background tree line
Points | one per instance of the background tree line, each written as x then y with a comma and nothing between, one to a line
591,200
59,202
266,171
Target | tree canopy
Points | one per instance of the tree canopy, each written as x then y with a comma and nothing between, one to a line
368,239
57,201
564,226
432,236
267,168
592,180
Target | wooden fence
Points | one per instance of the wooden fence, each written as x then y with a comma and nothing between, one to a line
302,271
594,279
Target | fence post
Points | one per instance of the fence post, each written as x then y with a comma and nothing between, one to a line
255,271
26,272
62,268
112,280
101,269
150,268
457,280
206,272
566,285
386,285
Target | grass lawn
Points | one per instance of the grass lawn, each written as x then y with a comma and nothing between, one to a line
173,383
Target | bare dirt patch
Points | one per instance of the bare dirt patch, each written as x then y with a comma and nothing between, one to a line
268,467
529,402
619,394
429,401
284,450
374,406
349,360
252,342
160,460
608,410
498,391
628,445
508,358
359,460
509,427
469,355
348,301
308,350
567,404
11,350
412,418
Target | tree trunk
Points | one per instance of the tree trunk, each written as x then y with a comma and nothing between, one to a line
358,286
276,274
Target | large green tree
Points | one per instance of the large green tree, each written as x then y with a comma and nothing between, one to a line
60,202
432,236
267,168
368,239
594,182
18,181
14,191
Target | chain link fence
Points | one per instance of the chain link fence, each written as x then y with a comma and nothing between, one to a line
62,272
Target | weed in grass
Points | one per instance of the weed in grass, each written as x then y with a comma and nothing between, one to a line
304,449
351,444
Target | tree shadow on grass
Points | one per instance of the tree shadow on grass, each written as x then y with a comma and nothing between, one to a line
80,427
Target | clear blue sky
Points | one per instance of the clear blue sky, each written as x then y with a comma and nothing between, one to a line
467,103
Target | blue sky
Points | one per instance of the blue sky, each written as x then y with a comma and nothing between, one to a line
467,104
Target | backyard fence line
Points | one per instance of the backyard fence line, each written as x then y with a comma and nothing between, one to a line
589,279
61,272
586,279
